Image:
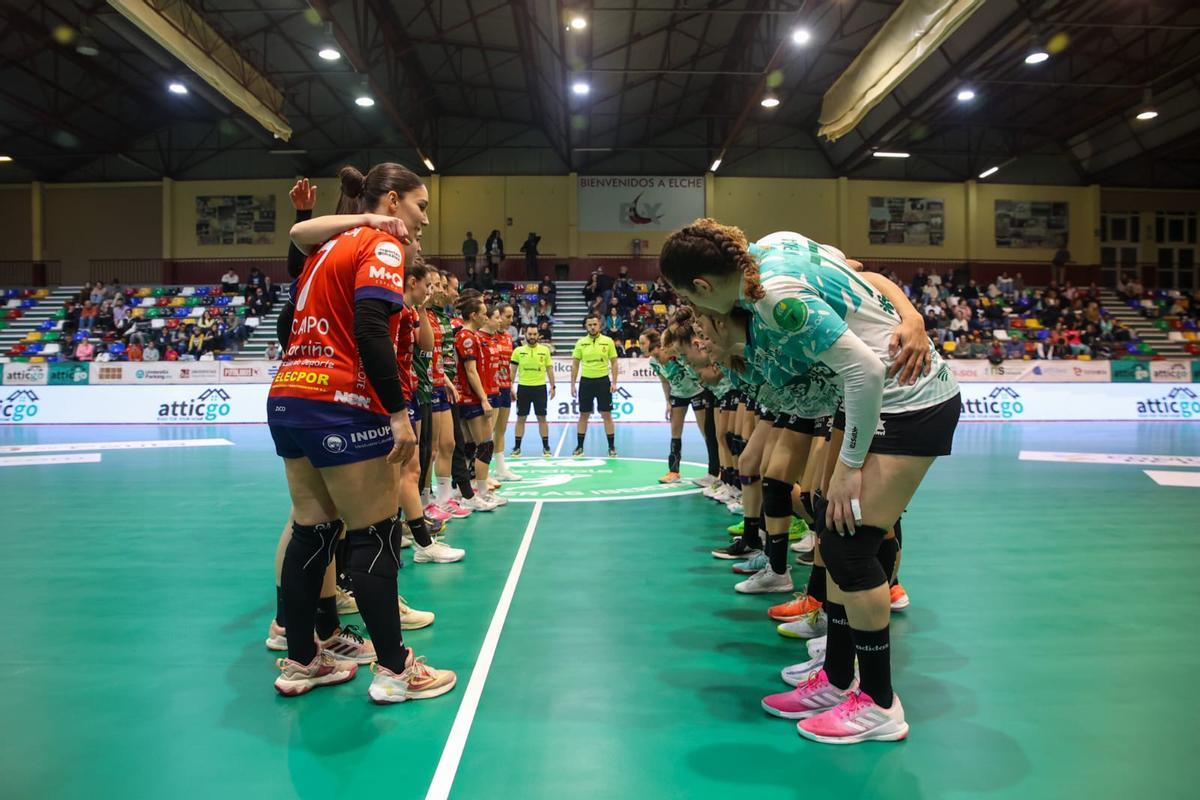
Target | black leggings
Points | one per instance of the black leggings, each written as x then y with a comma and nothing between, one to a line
425,445
460,469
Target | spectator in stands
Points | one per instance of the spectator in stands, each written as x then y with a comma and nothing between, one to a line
87,316
150,351
104,317
471,281
1058,264
919,282
624,293
530,249
528,313
1004,284
196,341
270,290
591,289
470,250
230,281
604,285
258,307
96,295
494,247
134,352
120,311
543,312
85,351
546,292
545,332
614,323
255,281
995,353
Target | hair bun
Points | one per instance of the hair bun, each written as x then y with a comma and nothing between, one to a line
352,181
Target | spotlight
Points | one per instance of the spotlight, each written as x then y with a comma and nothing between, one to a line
329,54
429,164
580,88
770,101
7,159
990,171
364,100
175,87
716,165
1037,56
1148,111
801,36
1147,114
889,154
578,23
965,95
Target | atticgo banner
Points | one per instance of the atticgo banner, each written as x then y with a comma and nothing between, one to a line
638,202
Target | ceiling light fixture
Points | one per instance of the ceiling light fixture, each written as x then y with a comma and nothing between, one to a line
801,36
716,165
1037,56
987,173
5,159
965,96
889,154
87,46
578,23
1147,110
329,54
580,88
770,101
428,164
175,87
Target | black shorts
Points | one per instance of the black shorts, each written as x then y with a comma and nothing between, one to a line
822,427
595,392
729,401
795,424
503,398
766,416
926,432
531,396
697,402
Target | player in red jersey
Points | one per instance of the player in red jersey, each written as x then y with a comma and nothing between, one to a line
337,415
474,409
502,348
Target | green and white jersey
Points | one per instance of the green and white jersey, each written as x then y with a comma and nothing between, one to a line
682,379
812,298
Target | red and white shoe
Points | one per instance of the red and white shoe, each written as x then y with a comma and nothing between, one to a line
435,513
455,510
857,719
900,599
812,696
324,670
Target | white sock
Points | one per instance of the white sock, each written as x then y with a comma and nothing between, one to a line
499,459
443,491
481,487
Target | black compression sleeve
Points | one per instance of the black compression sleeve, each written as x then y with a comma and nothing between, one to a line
377,352
283,324
296,258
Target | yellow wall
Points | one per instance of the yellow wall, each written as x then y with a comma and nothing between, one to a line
538,203
1084,225
762,205
472,203
857,228
97,221
16,220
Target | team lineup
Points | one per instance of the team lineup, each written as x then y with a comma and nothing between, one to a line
818,395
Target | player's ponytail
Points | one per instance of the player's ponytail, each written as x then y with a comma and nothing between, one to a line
362,193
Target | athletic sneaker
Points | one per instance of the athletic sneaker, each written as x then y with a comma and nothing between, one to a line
816,646
737,550
406,541
411,619
799,673
795,609
765,581
813,696
434,526
349,645
807,559
477,503
704,481
437,553
507,475
577,452
493,484
670,477
857,719
736,508
811,625
546,452
436,514
805,544
346,604
899,598
455,510
737,529
612,452
495,499
419,681
797,530
711,490
277,636
324,670
755,564
516,453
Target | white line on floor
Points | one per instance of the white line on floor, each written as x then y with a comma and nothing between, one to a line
27,461
152,444
1132,459
447,768
1162,477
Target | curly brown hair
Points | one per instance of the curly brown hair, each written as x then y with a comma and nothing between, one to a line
706,248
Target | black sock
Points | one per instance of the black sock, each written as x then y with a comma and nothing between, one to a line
887,557
545,443
874,651
806,503
777,550
750,536
676,455
612,441
517,442
420,532
303,571
340,570
376,596
839,647
327,617
579,437
816,584
279,605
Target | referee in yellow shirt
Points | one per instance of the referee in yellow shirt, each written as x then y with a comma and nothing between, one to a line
535,366
598,356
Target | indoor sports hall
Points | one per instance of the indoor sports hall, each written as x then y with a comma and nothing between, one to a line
553,362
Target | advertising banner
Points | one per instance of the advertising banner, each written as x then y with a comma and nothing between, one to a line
638,202
1012,402
1170,371
24,373
156,372
1032,371
68,373
1130,371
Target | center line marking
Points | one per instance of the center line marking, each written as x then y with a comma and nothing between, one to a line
447,768
151,444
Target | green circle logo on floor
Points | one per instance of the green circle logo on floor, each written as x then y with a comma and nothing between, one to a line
587,479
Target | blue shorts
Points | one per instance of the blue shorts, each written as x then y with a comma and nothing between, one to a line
503,398
334,445
438,400
494,400
470,411
413,406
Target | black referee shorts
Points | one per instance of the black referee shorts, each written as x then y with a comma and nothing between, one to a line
534,396
595,392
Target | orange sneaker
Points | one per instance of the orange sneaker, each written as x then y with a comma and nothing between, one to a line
670,477
899,598
790,612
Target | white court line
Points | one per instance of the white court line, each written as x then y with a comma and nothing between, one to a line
151,444
1162,477
27,461
447,768
1132,459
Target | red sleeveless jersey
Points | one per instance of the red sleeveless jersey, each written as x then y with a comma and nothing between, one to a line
406,343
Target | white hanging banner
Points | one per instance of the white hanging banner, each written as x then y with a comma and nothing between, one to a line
639,202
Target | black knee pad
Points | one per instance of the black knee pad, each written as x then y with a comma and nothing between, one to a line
888,550
853,561
469,450
819,506
316,543
777,498
738,445
485,452
729,439
899,536
375,549
748,480
806,502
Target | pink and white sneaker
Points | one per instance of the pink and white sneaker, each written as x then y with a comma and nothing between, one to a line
857,719
435,513
812,696
455,511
